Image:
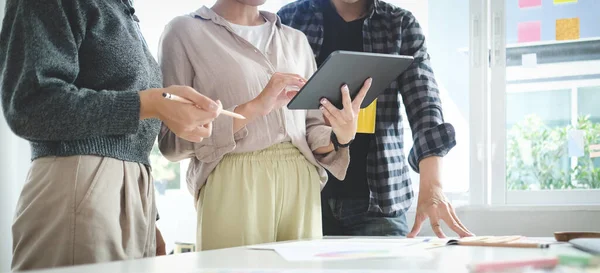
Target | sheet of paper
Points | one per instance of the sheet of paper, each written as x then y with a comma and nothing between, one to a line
331,250
567,29
564,1
529,60
398,241
575,143
530,3
272,246
529,32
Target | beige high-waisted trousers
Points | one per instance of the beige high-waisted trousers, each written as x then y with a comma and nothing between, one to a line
260,197
84,209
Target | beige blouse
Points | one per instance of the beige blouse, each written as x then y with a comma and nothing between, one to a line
202,51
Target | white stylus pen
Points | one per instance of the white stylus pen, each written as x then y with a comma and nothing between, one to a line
186,101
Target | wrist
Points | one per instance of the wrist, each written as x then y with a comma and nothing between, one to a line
430,169
256,108
148,103
344,140
425,183
248,110
339,143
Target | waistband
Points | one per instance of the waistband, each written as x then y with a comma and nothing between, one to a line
276,152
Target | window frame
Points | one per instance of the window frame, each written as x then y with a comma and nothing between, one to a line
478,97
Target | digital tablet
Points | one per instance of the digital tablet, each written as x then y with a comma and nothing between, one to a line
351,68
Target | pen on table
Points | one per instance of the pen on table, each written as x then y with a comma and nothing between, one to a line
517,245
186,101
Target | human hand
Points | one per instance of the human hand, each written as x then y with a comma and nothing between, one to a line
192,122
433,204
344,122
276,94
161,248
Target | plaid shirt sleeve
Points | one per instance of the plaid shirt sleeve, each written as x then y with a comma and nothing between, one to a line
419,90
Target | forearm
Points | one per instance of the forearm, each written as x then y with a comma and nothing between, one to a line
148,103
324,150
249,111
431,169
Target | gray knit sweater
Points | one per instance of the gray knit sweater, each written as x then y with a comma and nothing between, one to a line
70,75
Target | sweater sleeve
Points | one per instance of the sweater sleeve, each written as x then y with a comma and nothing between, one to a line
39,62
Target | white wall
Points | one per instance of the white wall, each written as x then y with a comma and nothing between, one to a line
14,163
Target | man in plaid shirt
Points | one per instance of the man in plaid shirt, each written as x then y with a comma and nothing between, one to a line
377,190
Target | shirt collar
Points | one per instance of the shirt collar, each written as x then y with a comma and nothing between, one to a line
206,13
376,7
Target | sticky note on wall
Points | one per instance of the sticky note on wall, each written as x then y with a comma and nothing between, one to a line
564,1
530,3
529,32
567,29
529,60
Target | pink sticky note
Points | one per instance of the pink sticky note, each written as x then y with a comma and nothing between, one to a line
530,32
529,3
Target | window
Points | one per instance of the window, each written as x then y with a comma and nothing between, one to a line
547,89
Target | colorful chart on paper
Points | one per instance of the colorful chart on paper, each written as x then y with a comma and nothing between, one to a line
353,254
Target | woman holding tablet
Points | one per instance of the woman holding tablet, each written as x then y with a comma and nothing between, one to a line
258,179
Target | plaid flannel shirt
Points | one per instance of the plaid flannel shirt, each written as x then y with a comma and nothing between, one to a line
391,30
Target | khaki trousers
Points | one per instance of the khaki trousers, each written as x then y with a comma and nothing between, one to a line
83,209
260,197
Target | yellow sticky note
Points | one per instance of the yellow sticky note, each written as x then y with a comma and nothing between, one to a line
564,1
366,119
567,29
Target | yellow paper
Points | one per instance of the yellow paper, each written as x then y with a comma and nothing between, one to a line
567,29
564,1
366,119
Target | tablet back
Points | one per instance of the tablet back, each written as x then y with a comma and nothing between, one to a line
352,68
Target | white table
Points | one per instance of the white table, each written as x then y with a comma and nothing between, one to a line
451,259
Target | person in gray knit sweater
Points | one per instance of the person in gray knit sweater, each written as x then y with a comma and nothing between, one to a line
78,82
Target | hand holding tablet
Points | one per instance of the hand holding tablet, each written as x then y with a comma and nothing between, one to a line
344,121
